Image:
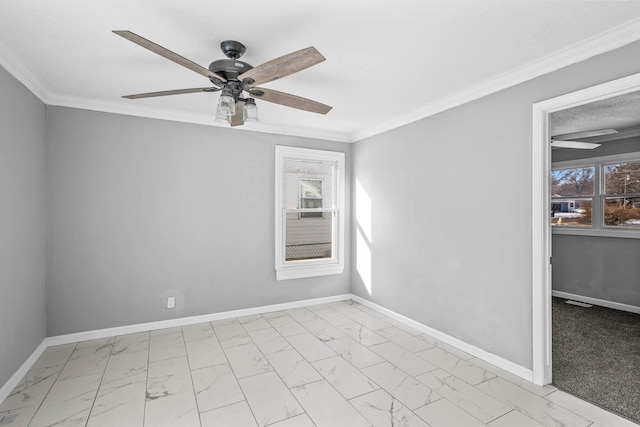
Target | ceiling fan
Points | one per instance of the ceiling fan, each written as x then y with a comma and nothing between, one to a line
570,140
233,78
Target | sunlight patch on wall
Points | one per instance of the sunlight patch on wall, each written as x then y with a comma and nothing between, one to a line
363,238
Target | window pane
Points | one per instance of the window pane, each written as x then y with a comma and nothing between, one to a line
622,178
307,239
308,180
572,182
622,212
573,212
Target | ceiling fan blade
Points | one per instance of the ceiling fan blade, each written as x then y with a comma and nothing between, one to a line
289,100
172,56
283,66
585,134
171,92
238,118
574,144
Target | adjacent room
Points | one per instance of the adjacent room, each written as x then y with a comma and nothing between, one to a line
596,217
270,214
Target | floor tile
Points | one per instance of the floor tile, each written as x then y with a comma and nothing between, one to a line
404,339
354,352
310,347
445,414
409,391
246,360
170,396
270,341
99,342
323,330
468,398
126,368
68,403
254,323
55,356
301,314
363,335
236,415
215,386
587,410
199,331
316,397
462,369
167,346
446,347
514,418
286,325
368,320
535,407
297,421
86,361
231,335
18,417
333,317
119,406
205,352
269,398
293,368
340,364
131,343
403,358
32,389
383,410
349,381
343,307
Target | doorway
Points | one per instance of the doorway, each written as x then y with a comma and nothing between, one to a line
541,220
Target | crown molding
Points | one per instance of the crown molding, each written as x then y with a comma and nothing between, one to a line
601,43
607,41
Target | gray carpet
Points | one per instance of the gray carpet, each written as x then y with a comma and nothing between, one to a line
596,356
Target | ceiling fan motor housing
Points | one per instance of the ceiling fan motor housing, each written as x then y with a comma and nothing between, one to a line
230,69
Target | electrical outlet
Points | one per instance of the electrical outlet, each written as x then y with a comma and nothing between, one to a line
171,302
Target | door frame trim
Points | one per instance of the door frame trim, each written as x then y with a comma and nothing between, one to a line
541,222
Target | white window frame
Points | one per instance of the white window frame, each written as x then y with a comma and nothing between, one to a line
314,267
597,206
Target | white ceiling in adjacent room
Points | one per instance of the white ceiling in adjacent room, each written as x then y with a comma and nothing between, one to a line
388,63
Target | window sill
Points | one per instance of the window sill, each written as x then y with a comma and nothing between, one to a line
575,231
300,272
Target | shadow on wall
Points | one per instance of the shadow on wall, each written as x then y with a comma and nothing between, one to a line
363,237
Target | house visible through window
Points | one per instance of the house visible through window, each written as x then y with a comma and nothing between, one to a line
309,212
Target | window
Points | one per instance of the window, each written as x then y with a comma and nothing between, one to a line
622,195
572,196
309,212
598,196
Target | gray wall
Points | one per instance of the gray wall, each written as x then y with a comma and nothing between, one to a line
450,195
22,224
606,268
141,209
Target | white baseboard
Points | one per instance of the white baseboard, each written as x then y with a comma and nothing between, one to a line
184,321
508,366
22,371
498,361
596,301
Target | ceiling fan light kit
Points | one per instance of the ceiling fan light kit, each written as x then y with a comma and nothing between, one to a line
233,78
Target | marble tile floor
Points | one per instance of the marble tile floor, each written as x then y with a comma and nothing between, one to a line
340,364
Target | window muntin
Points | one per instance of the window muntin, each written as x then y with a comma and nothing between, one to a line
309,212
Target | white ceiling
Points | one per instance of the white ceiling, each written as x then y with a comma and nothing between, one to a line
388,62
